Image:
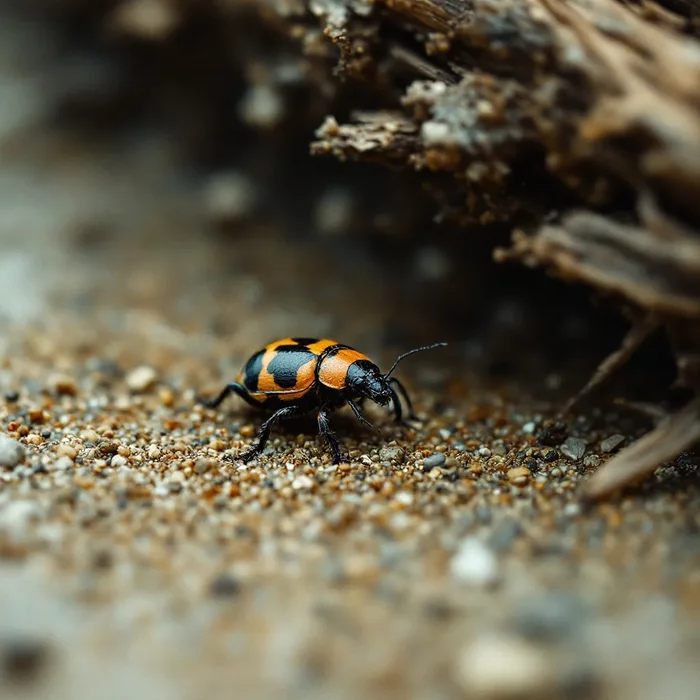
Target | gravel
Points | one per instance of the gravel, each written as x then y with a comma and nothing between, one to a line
574,448
12,452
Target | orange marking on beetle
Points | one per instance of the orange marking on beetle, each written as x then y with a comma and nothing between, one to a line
273,346
334,369
320,345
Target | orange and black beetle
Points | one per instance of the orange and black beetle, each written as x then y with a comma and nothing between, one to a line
299,375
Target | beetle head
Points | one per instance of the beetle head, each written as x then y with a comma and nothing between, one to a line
365,379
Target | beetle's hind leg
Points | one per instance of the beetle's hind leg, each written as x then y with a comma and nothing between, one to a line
266,428
232,388
411,413
324,428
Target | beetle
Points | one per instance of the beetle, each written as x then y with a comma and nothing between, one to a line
295,376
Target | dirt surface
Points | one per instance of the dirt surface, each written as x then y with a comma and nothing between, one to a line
138,558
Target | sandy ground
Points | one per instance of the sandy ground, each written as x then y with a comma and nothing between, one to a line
139,559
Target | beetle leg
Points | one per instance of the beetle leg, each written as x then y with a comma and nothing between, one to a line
232,388
360,417
398,415
324,429
404,393
266,427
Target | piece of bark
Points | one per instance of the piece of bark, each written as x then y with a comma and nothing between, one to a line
660,273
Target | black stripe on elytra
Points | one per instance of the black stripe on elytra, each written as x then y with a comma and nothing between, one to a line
286,363
252,371
305,341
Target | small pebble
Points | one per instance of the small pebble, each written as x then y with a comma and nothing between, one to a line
529,427
519,476
405,498
12,452
551,617
118,461
474,563
610,443
16,515
484,514
22,659
391,454
436,460
224,586
573,448
504,535
572,509
484,452
89,435
499,667
63,464
63,385
302,482
499,450
141,378
37,415
202,465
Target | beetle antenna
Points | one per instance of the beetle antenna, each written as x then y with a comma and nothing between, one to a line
413,352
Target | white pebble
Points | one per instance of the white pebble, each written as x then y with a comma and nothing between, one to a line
503,668
404,497
16,516
141,378
118,461
474,563
572,509
62,464
11,452
302,482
